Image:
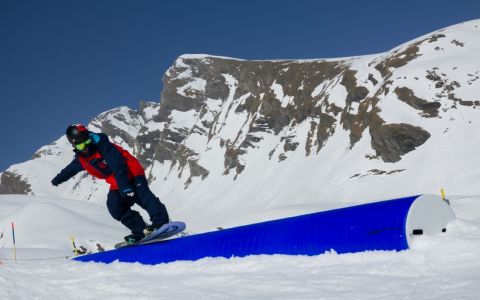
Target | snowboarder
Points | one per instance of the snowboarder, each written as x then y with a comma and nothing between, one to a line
102,159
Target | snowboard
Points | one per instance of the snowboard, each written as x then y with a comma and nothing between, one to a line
164,232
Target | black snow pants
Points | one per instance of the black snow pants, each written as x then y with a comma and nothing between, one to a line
120,207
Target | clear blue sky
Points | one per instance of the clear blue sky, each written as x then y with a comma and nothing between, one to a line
66,61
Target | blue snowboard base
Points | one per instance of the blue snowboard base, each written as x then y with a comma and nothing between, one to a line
164,232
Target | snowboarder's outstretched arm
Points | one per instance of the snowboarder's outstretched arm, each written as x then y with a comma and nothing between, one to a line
68,172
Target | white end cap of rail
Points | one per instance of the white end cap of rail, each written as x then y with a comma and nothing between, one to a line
428,215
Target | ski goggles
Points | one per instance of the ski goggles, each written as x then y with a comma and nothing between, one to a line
82,145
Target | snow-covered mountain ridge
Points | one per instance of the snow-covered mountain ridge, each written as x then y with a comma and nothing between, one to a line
233,137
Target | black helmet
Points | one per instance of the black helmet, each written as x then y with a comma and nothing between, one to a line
77,133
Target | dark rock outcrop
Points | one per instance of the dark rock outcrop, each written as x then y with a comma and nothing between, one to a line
429,109
11,183
391,141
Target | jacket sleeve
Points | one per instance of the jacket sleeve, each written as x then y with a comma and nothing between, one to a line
115,161
72,169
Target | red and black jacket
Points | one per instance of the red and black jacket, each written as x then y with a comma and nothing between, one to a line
106,161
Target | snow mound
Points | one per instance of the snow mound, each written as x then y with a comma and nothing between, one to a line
44,223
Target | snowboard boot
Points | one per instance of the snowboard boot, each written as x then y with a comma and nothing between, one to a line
151,228
133,238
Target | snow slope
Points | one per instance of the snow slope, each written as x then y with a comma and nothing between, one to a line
48,223
445,266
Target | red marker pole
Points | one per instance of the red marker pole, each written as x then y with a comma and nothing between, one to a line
14,246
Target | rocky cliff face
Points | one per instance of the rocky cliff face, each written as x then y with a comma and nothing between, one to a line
278,97
223,120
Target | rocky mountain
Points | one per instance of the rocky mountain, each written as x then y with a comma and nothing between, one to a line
231,134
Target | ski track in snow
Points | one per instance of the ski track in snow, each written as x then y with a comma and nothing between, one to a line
437,267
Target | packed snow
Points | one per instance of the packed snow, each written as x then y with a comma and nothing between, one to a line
436,267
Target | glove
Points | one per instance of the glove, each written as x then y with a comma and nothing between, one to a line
128,192
55,181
